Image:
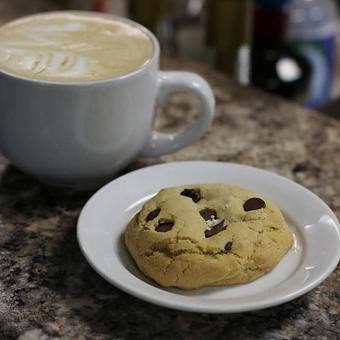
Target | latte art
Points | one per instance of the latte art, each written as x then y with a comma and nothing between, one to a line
72,47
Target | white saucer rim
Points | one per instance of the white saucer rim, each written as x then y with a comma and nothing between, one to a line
215,309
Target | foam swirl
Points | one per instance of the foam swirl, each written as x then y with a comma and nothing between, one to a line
72,47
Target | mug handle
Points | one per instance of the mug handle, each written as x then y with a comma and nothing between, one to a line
173,81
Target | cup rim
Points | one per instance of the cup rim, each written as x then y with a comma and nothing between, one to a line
140,69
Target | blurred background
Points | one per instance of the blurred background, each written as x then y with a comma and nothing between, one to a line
285,47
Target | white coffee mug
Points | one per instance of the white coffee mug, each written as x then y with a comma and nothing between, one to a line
82,133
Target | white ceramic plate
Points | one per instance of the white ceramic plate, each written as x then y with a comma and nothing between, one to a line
313,257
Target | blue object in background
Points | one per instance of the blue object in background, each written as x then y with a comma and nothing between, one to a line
312,30
271,4
321,56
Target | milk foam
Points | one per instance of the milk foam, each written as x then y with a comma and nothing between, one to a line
72,47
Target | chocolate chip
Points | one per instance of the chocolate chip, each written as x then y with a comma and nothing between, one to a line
194,194
215,229
228,247
153,214
254,204
164,226
208,213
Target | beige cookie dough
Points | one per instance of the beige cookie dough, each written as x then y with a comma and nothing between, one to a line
207,235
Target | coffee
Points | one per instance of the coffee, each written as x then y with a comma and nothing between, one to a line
72,47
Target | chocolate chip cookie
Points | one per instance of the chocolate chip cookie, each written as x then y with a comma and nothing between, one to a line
207,235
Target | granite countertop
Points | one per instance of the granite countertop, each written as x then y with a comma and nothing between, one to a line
47,289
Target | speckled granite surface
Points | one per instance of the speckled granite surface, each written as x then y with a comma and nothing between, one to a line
48,291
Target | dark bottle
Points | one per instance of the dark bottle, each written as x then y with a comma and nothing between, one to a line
149,13
312,31
228,26
275,66
176,23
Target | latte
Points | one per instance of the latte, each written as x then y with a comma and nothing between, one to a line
72,47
